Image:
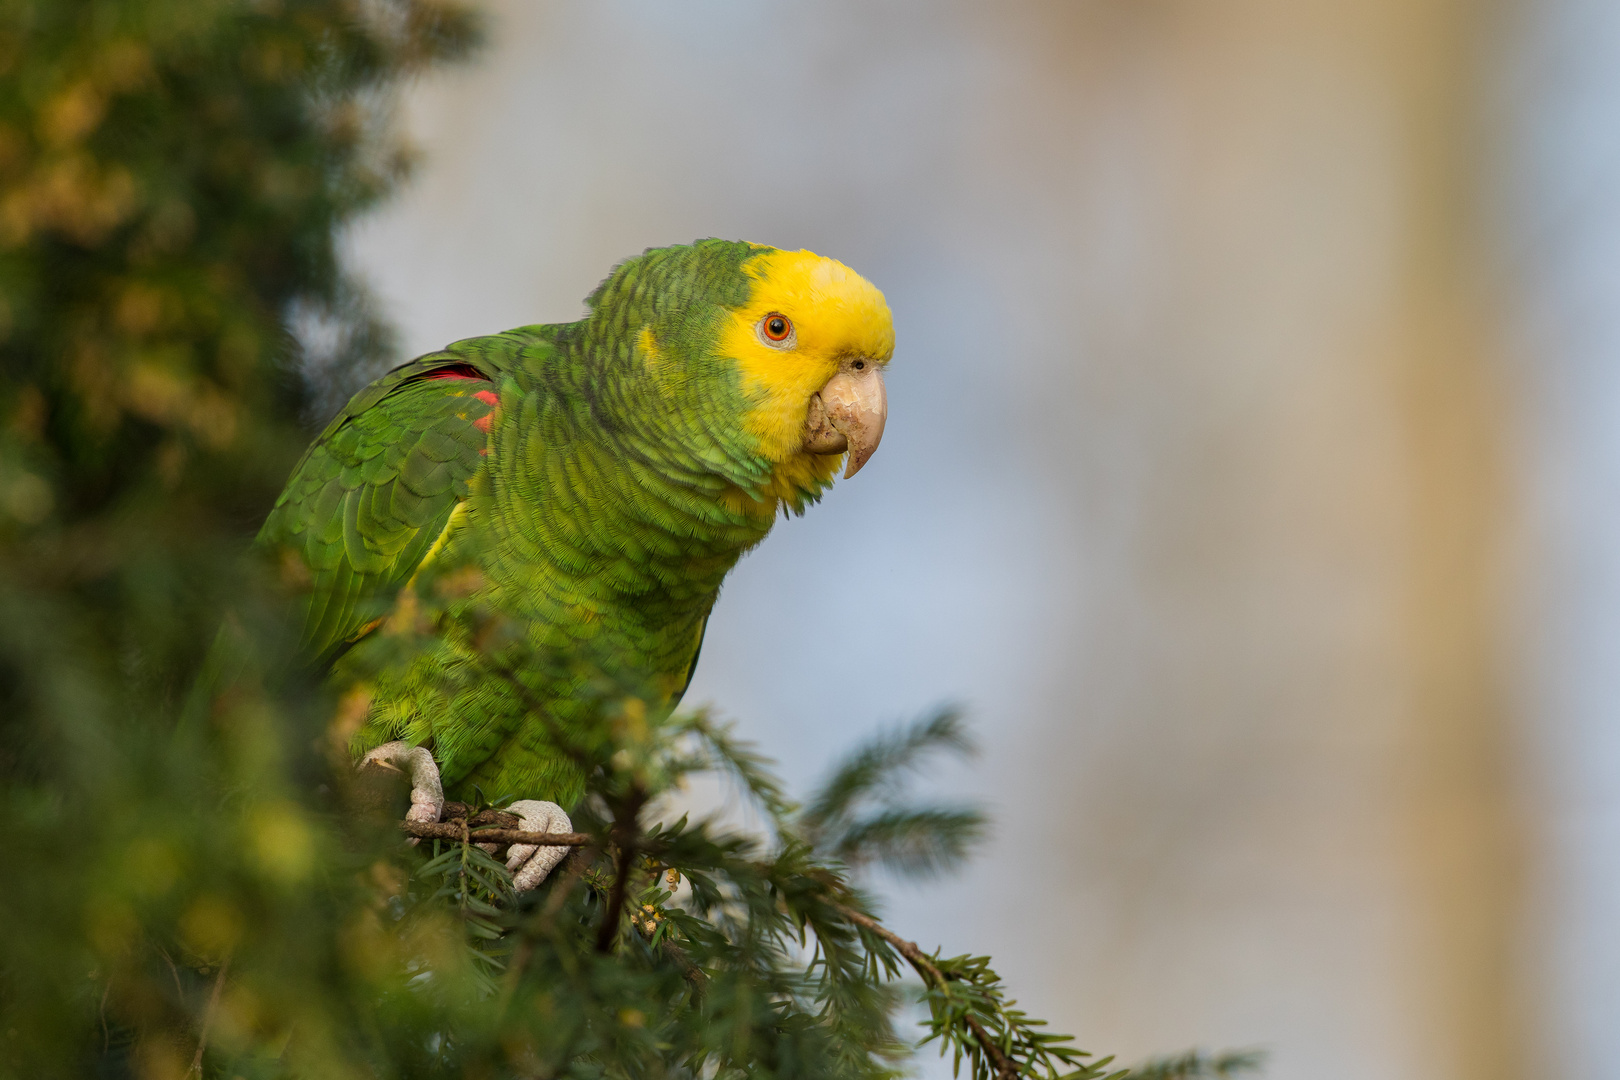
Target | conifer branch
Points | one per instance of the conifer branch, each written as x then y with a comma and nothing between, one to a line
1198,1065
803,885
573,868
936,979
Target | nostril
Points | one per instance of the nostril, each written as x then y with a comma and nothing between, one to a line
859,365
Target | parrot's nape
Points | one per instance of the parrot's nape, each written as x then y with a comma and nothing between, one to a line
599,478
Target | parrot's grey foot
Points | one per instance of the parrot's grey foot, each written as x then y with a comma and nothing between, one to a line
427,792
530,863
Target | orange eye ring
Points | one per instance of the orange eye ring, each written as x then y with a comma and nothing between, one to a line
776,327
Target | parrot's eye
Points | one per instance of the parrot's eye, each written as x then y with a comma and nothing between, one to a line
776,329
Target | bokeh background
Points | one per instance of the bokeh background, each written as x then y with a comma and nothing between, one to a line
1251,474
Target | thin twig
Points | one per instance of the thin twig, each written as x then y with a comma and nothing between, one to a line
457,830
689,970
106,1032
208,1017
179,994
930,973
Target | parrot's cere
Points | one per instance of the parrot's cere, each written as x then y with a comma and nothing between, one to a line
591,483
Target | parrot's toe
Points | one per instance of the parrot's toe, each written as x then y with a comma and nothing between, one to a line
427,792
530,863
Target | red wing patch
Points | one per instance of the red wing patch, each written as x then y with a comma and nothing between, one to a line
463,373
490,398
453,371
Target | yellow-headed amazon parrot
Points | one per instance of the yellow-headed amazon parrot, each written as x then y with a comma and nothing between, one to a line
596,480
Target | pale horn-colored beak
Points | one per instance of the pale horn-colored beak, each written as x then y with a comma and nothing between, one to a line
848,414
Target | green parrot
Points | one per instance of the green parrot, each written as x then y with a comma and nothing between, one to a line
588,485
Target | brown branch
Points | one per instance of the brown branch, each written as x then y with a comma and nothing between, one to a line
457,830
689,971
615,906
1005,1069
624,830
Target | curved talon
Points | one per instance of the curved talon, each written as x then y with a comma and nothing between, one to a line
530,863
427,792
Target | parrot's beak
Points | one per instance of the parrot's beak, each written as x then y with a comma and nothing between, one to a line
848,414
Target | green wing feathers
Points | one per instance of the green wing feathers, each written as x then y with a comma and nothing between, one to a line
378,488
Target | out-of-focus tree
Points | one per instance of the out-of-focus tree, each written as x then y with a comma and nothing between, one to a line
172,176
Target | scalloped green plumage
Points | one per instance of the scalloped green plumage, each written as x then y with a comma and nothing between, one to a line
600,477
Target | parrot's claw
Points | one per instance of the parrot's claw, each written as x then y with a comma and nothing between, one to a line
530,863
427,792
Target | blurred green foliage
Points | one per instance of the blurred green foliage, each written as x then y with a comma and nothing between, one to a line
172,173
1198,1065
172,176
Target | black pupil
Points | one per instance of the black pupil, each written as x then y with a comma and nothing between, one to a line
777,327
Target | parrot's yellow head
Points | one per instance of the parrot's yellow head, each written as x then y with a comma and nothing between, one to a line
766,364
811,343
806,319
